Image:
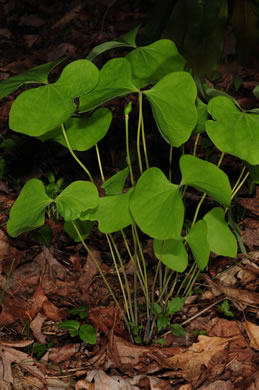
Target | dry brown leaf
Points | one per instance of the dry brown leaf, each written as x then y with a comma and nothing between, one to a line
251,204
36,325
209,354
38,300
16,344
218,385
249,229
89,271
11,355
103,381
253,334
61,354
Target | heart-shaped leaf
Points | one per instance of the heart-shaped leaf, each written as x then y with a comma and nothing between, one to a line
77,78
150,63
233,131
28,211
39,110
84,133
206,177
156,206
112,214
173,104
220,238
114,185
172,253
38,74
76,198
115,80
84,227
197,240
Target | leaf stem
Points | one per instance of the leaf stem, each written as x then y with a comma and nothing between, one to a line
74,155
139,133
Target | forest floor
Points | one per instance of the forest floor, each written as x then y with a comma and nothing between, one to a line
39,283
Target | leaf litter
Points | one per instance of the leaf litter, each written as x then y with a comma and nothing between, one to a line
47,282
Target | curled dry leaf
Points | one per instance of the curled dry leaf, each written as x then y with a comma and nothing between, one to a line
36,325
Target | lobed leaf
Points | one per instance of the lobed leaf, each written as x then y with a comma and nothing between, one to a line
112,214
173,104
156,206
206,177
76,198
84,133
115,79
233,131
150,63
28,211
172,253
220,238
197,240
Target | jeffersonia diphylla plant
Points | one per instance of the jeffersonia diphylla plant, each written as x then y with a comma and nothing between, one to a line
155,203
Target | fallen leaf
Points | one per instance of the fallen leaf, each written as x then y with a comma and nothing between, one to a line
209,354
36,325
61,354
253,334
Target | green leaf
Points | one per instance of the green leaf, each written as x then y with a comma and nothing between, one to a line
114,185
173,104
81,311
175,305
44,234
115,79
76,198
39,110
28,211
233,131
127,40
220,238
84,133
172,253
38,74
87,333
197,240
202,117
69,325
255,91
224,308
162,321
84,227
112,214
150,63
156,206
206,177
254,172
78,78
178,330
156,308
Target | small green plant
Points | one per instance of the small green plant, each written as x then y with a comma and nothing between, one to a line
224,308
138,198
86,332
38,349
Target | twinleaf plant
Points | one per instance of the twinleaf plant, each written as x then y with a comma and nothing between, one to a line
140,200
